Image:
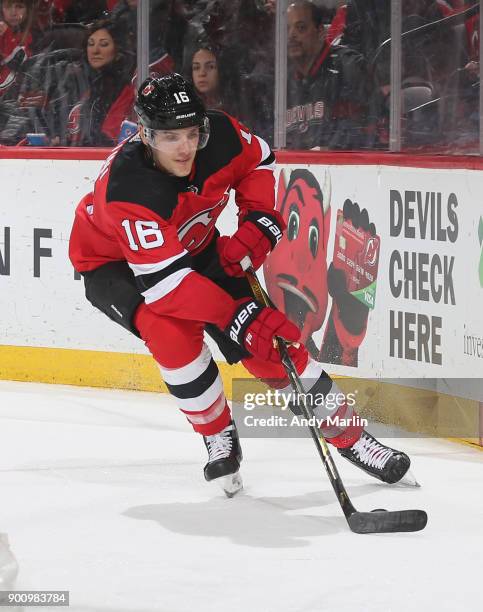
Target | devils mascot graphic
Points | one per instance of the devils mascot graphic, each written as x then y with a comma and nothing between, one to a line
299,280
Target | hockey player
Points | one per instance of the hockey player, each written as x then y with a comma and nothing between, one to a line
153,261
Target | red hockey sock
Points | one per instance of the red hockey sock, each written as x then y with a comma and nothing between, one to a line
346,435
204,423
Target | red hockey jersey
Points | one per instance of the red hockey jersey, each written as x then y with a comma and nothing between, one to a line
159,223
14,50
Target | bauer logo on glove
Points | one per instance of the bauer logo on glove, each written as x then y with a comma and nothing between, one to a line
241,320
258,234
272,227
256,327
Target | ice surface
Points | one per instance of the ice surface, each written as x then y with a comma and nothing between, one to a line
103,495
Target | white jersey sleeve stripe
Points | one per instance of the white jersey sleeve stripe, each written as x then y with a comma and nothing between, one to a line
270,167
150,268
266,151
165,286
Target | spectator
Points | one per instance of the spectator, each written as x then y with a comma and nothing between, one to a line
327,86
50,12
426,54
92,95
205,74
50,30
367,29
125,12
16,19
125,15
461,98
177,27
472,25
96,119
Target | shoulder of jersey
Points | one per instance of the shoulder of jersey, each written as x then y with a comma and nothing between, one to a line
133,180
224,143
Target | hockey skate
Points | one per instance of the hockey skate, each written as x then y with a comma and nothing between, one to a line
387,464
224,458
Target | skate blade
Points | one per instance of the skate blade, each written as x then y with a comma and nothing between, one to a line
408,480
231,484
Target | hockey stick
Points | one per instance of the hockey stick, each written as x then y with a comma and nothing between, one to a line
376,521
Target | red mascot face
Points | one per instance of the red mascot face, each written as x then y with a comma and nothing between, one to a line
296,272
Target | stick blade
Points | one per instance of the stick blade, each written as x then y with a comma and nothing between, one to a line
381,521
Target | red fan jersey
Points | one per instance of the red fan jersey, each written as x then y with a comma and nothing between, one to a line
160,224
14,50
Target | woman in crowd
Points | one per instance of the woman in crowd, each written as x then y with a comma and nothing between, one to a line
214,79
205,75
77,97
102,86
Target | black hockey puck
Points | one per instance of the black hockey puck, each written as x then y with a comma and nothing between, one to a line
379,510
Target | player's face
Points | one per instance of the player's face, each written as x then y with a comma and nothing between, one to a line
101,49
304,38
205,71
174,150
14,13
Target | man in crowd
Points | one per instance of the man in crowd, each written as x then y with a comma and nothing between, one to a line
327,87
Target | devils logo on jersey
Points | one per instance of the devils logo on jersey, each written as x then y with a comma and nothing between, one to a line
194,232
74,119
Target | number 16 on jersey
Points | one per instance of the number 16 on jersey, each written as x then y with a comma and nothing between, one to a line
148,234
